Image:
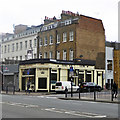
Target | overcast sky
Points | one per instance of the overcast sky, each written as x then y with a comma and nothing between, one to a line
33,12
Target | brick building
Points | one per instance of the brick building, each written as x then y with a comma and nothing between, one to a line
73,37
117,67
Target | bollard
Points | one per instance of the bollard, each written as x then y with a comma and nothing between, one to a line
94,95
13,90
6,89
79,92
66,90
112,95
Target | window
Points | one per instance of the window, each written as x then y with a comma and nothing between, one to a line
35,43
64,37
25,57
51,54
8,48
40,55
25,44
45,41
71,36
45,55
12,58
16,57
58,54
58,38
20,45
67,22
16,46
41,42
51,39
109,64
20,57
30,43
13,47
35,56
64,55
71,54
42,83
5,49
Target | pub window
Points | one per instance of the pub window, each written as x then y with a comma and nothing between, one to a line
109,64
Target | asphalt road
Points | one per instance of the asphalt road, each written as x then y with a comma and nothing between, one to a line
49,106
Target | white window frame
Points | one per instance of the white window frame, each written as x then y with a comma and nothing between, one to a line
71,36
58,54
71,53
40,42
64,37
50,54
58,38
45,41
45,54
51,39
64,55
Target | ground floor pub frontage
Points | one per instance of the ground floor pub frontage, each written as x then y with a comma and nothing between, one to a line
44,73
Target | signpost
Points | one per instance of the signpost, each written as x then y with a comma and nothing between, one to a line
71,74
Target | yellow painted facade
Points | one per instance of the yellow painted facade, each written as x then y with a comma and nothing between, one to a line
117,67
43,72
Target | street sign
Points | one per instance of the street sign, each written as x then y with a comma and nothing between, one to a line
71,69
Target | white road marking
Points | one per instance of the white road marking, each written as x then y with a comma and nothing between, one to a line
19,104
76,113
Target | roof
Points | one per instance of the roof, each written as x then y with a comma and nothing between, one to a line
64,62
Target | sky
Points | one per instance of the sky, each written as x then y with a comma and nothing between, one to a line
33,12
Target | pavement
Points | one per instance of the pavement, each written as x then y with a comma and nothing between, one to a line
85,98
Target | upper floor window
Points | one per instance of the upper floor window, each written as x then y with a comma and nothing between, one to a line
58,54
71,54
64,55
8,48
35,43
20,45
51,39
5,49
25,44
30,43
13,47
67,22
45,40
71,36
58,38
51,54
64,37
16,57
20,57
45,55
16,46
40,42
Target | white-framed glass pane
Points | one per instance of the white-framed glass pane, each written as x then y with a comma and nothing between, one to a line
71,36
64,37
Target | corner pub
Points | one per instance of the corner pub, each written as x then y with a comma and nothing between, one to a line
44,73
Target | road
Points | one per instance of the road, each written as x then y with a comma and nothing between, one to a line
49,106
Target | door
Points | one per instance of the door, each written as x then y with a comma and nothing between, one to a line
23,83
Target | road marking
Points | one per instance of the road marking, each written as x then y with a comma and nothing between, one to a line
76,113
20,104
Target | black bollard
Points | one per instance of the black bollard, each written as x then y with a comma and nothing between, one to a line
66,91
79,92
13,90
94,95
6,89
